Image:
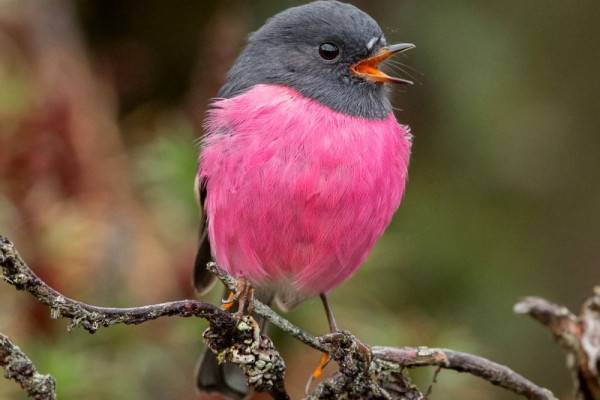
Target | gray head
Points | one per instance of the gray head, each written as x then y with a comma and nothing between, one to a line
326,50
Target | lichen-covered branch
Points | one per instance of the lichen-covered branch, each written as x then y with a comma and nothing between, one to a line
91,318
361,375
365,373
579,336
223,325
254,353
18,367
492,372
408,357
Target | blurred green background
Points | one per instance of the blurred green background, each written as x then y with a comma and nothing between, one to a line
100,106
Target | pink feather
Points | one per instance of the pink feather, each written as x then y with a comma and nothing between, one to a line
298,194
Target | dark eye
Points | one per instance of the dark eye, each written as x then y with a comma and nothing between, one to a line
329,51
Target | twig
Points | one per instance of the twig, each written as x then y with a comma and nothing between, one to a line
579,336
386,361
492,372
91,318
18,367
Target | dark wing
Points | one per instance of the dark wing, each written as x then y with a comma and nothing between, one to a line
203,279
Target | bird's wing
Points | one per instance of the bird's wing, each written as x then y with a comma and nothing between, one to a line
203,279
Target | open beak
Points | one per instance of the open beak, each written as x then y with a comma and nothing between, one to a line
368,68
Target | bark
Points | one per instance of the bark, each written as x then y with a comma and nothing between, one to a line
364,372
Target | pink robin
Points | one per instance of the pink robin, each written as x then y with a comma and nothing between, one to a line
303,163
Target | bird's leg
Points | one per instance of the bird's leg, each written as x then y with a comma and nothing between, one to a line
325,358
330,318
332,329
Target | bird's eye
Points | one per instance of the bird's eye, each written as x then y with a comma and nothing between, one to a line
329,51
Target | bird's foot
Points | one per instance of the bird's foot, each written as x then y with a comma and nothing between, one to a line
243,296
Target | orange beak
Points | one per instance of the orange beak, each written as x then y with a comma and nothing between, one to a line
368,68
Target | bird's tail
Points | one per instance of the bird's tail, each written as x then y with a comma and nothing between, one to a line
226,379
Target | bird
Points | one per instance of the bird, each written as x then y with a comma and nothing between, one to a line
303,162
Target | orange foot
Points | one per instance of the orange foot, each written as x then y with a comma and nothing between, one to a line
243,296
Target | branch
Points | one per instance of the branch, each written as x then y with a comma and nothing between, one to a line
579,336
364,372
18,367
91,318
225,334
492,372
410,357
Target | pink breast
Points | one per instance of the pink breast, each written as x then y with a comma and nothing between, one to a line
298,193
